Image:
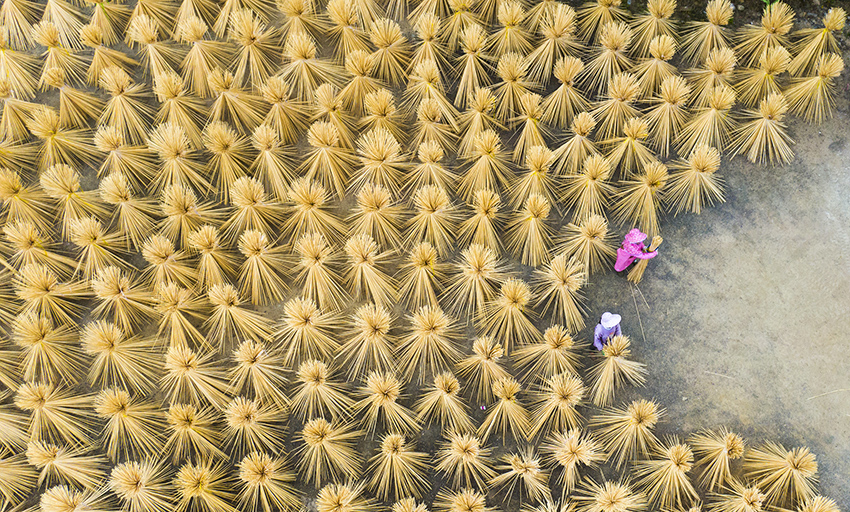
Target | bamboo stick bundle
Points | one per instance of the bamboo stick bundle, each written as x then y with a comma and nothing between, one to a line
370,344
483,368
627,432
521,474
715,451
636,273
613,370
570,451
442,404
554,354
814,42
464,460
430,45
701,37
786,476
656,22
142,486
512,35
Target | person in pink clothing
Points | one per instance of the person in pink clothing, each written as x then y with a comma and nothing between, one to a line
632,249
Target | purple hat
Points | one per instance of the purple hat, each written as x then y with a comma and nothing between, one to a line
635,236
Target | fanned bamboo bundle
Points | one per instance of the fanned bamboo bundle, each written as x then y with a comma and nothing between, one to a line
569,451
716,450
613,370
665,477
786,476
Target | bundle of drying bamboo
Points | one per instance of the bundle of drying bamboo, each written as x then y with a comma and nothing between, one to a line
231,282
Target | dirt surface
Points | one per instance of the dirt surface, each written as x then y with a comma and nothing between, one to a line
745,311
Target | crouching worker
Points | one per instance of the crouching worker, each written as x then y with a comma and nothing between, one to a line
633,249
607,328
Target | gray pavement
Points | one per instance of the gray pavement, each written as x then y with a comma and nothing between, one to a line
747,311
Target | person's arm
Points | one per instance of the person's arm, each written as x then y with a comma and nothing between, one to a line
617,331
646,255
598,342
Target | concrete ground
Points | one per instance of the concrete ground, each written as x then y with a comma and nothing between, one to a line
747,308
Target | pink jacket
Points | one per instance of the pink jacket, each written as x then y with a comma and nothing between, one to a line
628,253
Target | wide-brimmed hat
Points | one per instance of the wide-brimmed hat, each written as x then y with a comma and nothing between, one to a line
609,320
635,236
